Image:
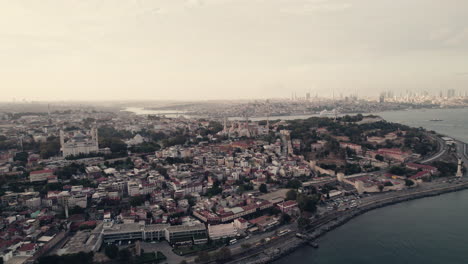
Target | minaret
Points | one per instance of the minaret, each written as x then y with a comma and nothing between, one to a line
94,135
66,210
459,170
268,122
225,125
48,114
62,138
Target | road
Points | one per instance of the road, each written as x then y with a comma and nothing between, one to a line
442,149
327,221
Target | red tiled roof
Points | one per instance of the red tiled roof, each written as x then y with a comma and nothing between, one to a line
27,247
41,171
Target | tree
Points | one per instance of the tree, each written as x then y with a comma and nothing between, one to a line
293,184
21,156
76,210
303,223
125,255
409,182
191,200
214,190
246,245
137,200
307,203
78,258
223,254
402,171
381,187
379,157
202,256
111,251
263,188
285,219
115,144
50,148
291,195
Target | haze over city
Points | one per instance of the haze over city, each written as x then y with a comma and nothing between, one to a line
233,131
227,49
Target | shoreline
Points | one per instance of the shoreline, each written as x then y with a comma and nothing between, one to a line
272,117
293,243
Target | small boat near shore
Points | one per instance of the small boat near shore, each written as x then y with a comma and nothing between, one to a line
436,120
313,244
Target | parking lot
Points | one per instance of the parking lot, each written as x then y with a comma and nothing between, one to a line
340,203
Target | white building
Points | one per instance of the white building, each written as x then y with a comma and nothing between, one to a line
222,231
78,200
41,175
75,143
133,188
33,203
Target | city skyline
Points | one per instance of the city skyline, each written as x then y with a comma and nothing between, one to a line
221,49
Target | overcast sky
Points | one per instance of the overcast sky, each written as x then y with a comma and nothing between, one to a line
229,49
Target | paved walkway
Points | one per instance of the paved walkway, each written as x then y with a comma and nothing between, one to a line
165,248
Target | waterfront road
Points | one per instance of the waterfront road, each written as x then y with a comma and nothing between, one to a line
330,220
442,149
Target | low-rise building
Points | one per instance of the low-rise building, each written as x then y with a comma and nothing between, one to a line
222,231
40,175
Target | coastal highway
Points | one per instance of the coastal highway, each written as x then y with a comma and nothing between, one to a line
442,149
328,222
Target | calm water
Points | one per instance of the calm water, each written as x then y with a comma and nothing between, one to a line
430,230
454,121
143,111
454,124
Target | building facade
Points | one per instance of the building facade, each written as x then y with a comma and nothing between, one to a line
75,142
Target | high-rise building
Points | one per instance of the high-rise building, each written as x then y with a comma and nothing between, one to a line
382,98
450,93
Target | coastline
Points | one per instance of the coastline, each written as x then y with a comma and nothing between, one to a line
291,243
289,116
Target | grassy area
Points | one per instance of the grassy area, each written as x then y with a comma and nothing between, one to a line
150,258
182,251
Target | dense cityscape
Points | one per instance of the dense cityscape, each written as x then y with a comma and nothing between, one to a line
99,185
233,132
309,105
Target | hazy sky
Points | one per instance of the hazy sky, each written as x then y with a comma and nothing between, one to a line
218,49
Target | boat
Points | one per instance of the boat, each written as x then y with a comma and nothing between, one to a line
436,120
313,244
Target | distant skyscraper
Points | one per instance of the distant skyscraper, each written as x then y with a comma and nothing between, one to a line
382,98
450,93
307,96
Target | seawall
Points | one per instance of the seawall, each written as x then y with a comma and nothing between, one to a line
291,243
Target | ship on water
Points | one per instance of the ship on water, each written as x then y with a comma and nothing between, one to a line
326,113
436,120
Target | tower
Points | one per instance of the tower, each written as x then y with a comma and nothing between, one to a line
94,136
48,115
66,210
459,170
62,138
